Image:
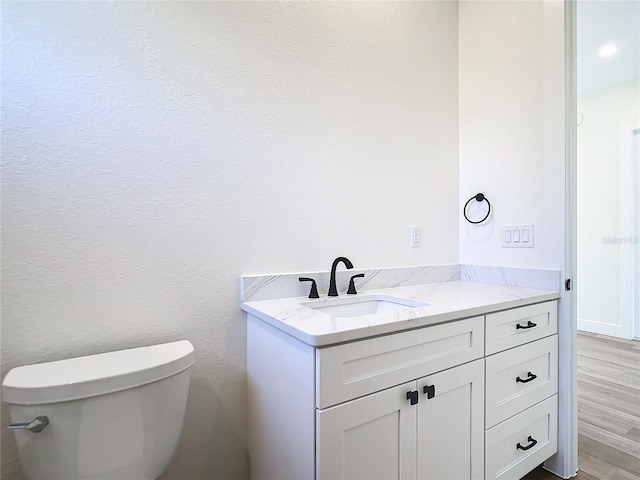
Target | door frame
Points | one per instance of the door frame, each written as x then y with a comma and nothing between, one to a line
629,231
635,137
565,462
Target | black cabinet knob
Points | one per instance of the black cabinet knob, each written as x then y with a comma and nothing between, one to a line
430,390
412,396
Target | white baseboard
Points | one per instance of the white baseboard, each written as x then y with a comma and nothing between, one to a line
603,328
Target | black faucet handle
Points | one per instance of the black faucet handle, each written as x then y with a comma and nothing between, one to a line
352,286
314,289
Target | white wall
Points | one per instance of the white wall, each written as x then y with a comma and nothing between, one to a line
512,137
152,152
603,114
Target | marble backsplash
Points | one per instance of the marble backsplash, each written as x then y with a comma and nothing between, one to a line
269,287
514,277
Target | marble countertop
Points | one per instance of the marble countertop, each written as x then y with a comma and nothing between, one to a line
447,301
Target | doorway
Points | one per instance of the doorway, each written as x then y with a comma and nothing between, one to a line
608,83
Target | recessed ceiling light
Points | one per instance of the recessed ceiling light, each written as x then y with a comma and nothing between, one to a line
607,50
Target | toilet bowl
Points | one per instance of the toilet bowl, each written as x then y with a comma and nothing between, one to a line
112,416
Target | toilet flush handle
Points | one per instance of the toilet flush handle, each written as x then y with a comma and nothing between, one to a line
35,426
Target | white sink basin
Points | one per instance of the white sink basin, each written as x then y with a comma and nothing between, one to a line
361,305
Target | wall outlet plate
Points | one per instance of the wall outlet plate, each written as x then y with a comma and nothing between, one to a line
416,236
517,236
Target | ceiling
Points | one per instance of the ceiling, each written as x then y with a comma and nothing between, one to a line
607,21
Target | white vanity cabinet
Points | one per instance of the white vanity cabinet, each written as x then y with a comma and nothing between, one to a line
407,405
406,431
402,406
384,435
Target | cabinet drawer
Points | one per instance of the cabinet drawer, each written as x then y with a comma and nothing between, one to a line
355,369
520,377
519,444
514,327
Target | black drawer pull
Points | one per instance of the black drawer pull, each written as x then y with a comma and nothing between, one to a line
529,324
530,376
532,444
412,397
430,390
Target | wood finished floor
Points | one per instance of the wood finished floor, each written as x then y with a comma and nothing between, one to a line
608,410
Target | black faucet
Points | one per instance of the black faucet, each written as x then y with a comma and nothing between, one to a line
333,291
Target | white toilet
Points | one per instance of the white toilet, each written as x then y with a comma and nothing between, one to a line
113,416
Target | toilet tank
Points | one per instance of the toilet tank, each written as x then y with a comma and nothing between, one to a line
115,415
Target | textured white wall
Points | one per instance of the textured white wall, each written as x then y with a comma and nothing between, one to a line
512,139
152,152
603,114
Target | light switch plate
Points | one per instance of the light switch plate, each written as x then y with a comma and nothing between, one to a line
517,236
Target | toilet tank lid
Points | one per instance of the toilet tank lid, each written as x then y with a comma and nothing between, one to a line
83,377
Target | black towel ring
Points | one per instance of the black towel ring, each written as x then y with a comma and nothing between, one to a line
479,197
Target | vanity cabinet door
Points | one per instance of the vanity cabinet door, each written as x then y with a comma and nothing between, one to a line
373,437
451,424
